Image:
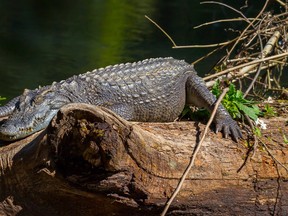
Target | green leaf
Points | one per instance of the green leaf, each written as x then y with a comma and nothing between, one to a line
239,95
235,103
216,88
257,132
285,139
249,111
269,111
2,98
185,111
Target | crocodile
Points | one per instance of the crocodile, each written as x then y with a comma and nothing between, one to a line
152,90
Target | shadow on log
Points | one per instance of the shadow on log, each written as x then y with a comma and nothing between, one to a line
90,161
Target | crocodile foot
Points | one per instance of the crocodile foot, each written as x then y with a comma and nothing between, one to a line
228,127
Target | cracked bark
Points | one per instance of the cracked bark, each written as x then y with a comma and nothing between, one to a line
90,161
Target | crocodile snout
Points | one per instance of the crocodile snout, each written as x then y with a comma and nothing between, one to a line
7,132
10,132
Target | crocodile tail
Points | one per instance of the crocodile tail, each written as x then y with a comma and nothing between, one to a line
9,107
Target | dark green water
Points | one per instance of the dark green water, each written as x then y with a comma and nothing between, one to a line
46,41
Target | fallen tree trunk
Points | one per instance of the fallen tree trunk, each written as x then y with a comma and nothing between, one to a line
90,161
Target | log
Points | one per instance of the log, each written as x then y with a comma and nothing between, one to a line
89,161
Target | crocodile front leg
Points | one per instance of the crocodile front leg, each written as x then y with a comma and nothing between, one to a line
198,94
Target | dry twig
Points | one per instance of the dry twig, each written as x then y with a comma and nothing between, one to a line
196,150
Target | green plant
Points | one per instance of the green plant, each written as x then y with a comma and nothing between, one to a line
236,104
285,139
257,132
2,98
269,111
199,114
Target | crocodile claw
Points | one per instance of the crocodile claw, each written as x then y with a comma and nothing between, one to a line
228,127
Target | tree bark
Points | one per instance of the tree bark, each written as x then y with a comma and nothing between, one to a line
90,161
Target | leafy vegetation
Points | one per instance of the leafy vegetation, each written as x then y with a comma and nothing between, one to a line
198,115
257,132
236,104
285,139
2,98
269,111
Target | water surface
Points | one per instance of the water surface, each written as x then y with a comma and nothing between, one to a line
46,41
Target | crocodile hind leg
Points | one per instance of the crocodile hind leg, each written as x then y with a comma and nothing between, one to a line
198,94
9,107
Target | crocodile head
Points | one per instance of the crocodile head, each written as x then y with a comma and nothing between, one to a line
33,112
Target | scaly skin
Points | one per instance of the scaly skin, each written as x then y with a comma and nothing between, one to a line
153,90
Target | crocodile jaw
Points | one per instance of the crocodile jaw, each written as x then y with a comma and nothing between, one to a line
11,130
33,113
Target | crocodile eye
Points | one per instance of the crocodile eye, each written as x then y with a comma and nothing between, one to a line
38,99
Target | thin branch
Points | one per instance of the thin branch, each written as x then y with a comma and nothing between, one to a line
167,35
246,64
197,148
272,156
252,127
221,21
207,55
282,3
245,30
208,45
282,14
260,40
266,51
175,46
202,46
240,59
263,53
225,5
